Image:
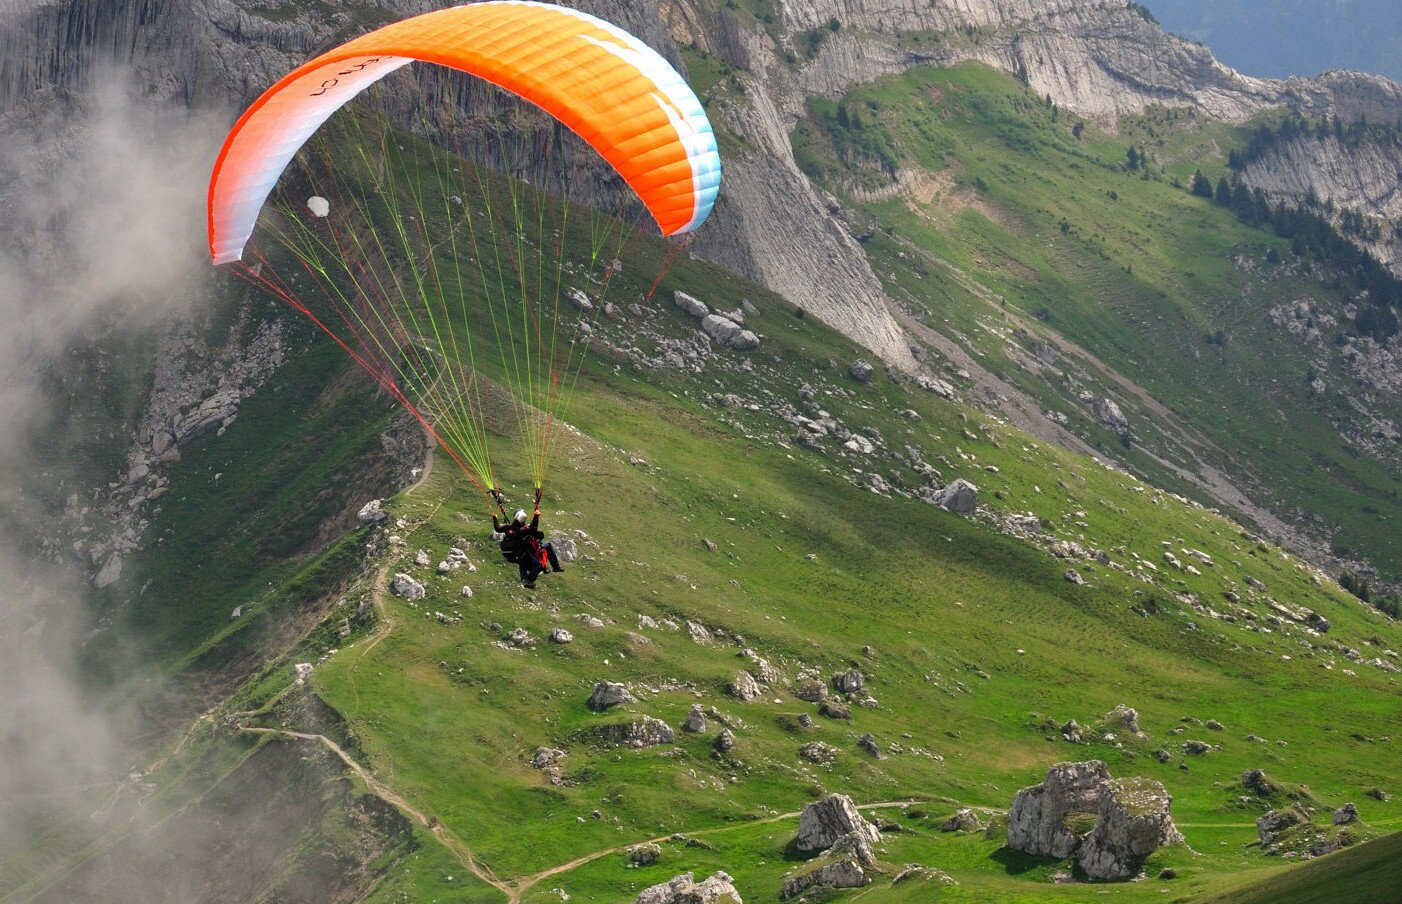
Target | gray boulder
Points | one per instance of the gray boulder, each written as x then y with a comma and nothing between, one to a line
608,694
720,329
811,690
1346,814
849,681
868,743
405,586
690,305
1110,417
959,497
565,547
725,741
1271,825
744,341
1036,822
965,820
842,872
684,889
824,821
1133,822
695,720
1125,717
561,636
743,687
644,731
372,512
860,371
579,299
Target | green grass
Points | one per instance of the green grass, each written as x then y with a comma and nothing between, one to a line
1367,872
1029,231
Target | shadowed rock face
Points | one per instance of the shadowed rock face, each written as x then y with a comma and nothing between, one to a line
1133,822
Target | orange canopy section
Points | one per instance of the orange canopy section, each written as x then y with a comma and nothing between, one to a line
610,88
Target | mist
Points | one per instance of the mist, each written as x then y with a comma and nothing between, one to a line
101,237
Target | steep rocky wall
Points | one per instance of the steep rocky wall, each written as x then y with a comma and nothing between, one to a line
1366,177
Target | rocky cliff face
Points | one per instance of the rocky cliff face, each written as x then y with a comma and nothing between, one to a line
1366,176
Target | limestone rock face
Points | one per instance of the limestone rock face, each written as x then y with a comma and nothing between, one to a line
743,687
1133,822
684,889
824,821
1035,822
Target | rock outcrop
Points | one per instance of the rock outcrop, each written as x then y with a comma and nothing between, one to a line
644,731
1132,823
1131,819
823,822
684,889
959,497
1036,822
608,694
405,586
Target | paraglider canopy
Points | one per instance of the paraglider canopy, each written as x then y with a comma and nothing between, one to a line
607,86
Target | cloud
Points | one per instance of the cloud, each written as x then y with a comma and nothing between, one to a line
101,237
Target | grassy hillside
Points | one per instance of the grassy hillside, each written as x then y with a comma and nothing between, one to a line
978,644
713,538
1070,261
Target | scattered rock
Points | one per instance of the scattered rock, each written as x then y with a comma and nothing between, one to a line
823,822
644,854
868,743
690,305
422,559
835,709
608,694
698,632
818,752
725,741
520,637
695,721
850,681
1071,732
1378,794
566,550
811,690
684,889
579,299
959,497
644,731
372,512
1196,748
1256,781
1125,717
405,586
1346,814
965,820
1274,822
561,636
545,757
1074,577
1214,725
842,872
743,687
860,371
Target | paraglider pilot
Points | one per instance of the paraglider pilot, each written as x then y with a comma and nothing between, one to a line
524,544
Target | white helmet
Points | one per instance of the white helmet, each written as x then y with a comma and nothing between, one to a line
520,516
